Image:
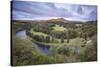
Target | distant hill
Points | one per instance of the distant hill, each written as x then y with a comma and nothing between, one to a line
57,20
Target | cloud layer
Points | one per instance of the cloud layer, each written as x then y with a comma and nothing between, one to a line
28,10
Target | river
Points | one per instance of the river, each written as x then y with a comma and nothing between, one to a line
21,34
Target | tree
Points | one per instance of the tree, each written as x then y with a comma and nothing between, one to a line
68,36
47,39
52,39
85,35
62,40
68,40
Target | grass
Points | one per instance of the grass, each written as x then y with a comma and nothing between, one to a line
38,33
59,28
77,41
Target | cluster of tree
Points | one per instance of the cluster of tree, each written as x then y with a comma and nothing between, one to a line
47,29
42,28
41,38
88,30
64,35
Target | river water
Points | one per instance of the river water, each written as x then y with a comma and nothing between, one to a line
22,34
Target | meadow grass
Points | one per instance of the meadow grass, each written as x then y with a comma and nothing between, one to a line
59,28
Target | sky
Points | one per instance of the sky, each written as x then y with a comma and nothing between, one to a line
29,10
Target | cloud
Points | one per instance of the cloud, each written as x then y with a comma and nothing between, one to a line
35,10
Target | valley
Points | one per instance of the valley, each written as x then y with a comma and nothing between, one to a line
55,41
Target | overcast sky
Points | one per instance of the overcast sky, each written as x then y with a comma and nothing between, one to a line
28,10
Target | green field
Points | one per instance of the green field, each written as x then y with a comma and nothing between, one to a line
59,28
37,33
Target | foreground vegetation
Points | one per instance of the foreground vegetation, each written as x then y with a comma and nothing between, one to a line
65,42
